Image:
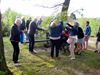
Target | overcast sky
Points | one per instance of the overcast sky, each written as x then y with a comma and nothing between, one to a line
29,7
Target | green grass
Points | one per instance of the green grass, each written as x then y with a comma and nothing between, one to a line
40,64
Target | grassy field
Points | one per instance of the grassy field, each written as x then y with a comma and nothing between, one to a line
40,64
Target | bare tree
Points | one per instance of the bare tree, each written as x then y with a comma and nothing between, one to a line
3,65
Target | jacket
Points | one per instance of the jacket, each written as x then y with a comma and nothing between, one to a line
80,33
73,30
33,27
56,31
87,30
15,33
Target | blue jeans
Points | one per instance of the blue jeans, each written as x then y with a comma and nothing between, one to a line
31,42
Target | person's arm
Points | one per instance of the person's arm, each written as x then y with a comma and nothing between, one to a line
69,25
40,29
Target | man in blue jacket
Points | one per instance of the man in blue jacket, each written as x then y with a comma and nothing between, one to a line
87,34
55,35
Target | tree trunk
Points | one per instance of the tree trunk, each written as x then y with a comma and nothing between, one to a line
65,10
3,65
65,5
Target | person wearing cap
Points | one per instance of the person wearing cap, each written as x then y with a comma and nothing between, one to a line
72,38
15,38
87,34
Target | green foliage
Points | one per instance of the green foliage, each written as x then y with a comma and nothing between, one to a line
7,20
94,23
2,73
46,21
62,16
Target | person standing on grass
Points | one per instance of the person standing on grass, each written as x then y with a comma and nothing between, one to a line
55,35
72,38
31,31
80,42
98,40
15,38
87,34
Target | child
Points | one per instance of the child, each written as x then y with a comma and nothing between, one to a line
64,38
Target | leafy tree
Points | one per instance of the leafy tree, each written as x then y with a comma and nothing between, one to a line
8,19
3,65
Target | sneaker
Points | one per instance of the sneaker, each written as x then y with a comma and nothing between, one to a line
16,62
34,51
72,58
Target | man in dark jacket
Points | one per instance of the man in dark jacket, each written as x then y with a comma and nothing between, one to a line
31,31
15,38
22,26
28,22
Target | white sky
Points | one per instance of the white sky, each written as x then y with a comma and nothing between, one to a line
91,7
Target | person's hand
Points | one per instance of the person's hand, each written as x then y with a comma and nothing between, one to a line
63,32
67,23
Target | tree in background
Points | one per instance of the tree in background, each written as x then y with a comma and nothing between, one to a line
3,65
63,14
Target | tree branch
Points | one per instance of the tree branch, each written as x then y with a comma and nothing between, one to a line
51,6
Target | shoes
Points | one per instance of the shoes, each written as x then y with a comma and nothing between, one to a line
34,51
72,58
16,62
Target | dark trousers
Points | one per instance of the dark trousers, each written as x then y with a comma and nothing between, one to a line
31,42
16,51
55,45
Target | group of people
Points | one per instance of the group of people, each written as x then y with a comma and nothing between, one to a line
76,38
16,35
